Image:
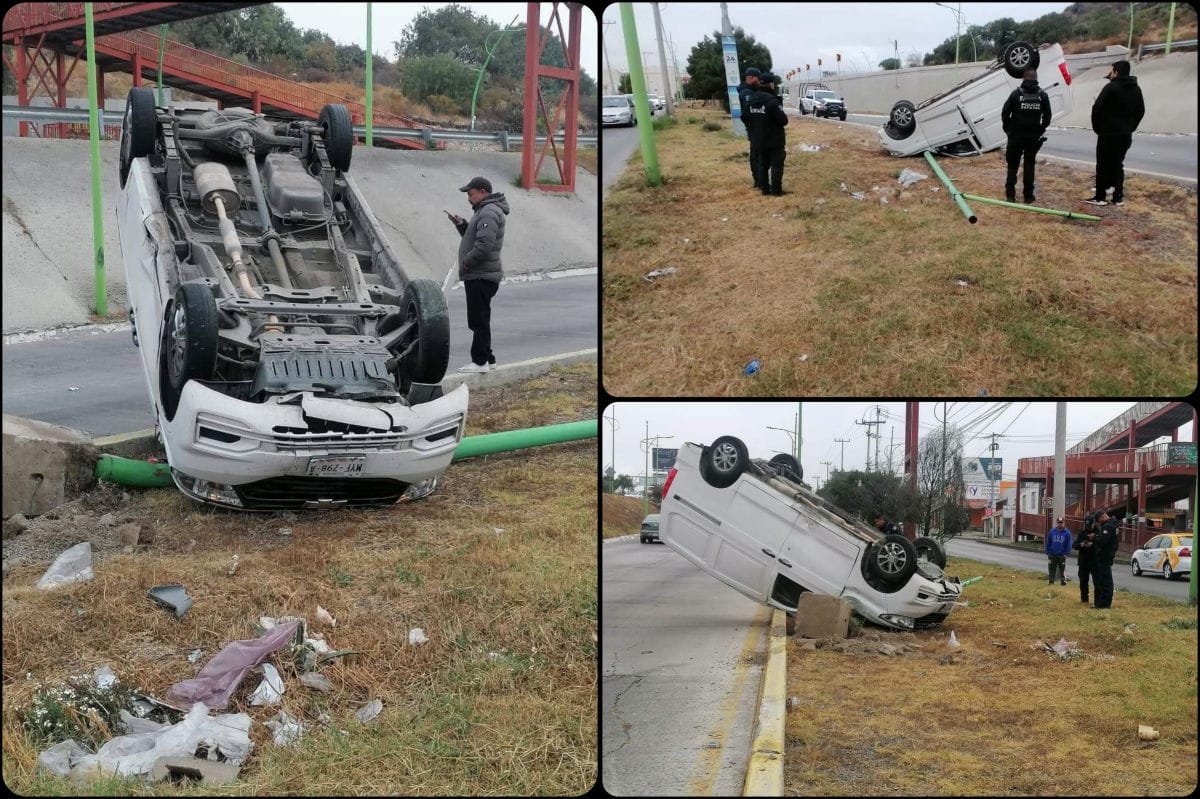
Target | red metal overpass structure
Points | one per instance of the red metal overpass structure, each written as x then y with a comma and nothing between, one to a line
1113,469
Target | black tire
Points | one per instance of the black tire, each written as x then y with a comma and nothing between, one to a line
842,116
338,135
643,539
189,345
1136,567
903,117
892,560
425,304
723,461
1018,57
930,550
787,466
138,128
803,113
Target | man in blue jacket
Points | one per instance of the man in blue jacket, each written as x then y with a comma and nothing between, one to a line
1058,546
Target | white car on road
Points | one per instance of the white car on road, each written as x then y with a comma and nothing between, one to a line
617,109
756,527
965,120
290,360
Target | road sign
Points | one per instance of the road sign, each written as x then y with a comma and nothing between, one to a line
1048,502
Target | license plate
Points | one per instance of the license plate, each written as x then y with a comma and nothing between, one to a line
336,467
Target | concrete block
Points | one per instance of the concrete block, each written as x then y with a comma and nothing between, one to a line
821,616
208,772
45,465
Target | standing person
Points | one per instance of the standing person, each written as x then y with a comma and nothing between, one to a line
1025,117
886,527
767,109
479,265
1106,541
1058,546
1087,555
1117,112
748,86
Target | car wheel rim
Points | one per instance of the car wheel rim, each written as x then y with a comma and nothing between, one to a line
178,351
724,458
891,558
902,117
1020,57
1167,572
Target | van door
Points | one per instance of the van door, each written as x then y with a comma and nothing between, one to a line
817,556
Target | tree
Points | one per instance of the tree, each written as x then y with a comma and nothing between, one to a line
624,84
942,512
706,65
889,63
868,494
427,76
623,483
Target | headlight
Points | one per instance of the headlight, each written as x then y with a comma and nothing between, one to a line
899,621
206,490
419,490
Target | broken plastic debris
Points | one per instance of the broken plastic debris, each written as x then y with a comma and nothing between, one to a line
104,677
194,656
752,367
497,530
910,176
316,681
649,278
73,388
810,148
369,711
1063,647
804,357
417,636
324,617
285,531
233,566
172,597
270,690
72,566
318,645
953,640
963,283
222,675
724,219
1147,733
286,728
858,195
62,757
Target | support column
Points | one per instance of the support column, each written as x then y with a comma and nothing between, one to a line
60,78
22,80
256,101
912,412
1086,499
135,67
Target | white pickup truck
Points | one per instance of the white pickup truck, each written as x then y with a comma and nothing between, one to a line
819,100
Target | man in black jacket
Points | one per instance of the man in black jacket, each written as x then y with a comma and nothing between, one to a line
1117,112
479,266
748,86
1025,117
767,120
1086,545
1106,541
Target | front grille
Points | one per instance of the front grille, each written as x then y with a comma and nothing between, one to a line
303,442
291,493
931,620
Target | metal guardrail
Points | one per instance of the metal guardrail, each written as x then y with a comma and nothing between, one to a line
1142,48
428,135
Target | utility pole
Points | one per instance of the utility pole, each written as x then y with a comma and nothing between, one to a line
637,81
613,88
891,445
799,425
870,435
826,464
1060,460
612,436
675,68
646,71
662,62
646,475
731,72
843,442
995,493
896,51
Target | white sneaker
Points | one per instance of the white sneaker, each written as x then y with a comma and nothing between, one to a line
1094,201
475,367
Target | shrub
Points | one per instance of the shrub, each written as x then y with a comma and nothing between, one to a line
711,126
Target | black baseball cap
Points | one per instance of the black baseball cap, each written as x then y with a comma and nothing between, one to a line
752,71
478,183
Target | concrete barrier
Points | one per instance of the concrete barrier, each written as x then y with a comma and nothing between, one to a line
764,774
44,465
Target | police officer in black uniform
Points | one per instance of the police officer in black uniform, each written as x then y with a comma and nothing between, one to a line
1086,545
1025,117
768,119
1106,541
748,86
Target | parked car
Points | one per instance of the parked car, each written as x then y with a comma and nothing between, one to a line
291,360
965,120
757,527
1169,554
650,529
821,101
657,103
617,109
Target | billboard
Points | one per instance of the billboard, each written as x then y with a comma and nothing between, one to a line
732,79
981,478
663,458
1181,453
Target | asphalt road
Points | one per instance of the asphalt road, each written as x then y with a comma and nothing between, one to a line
1035,562
682,657
529,320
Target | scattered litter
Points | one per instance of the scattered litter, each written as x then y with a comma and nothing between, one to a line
324,617
650,276
104,677
172,597
1129,628
793,702
316,681
982,392
285,531
417,636
687,241
752,367
107,520
910,176
194,656
811,148
73,388
935,188
318,644
858,195
222,675
233,566
498,530
1063,646
953,642
844,186
803,357
999,644
286,728
136,726
963,283
820,201
883,200
369,711
177,769
62,757
724,219
266,622
72,566
1146,733
270,690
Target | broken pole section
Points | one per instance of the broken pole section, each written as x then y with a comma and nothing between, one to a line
955,193
1023,207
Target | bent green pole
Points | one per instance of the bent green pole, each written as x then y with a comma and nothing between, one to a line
1021,207
637,83
143,474
94,137
955,193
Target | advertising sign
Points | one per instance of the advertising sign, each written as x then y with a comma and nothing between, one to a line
663,458
981,478
1182,453
732,79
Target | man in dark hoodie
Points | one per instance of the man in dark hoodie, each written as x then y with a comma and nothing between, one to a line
1106,540
767,121
1117,112
479,265
1025,117
745,89
1087,555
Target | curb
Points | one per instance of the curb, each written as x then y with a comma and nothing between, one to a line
141,443
764,775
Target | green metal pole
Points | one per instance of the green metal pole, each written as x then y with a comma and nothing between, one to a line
637,82
489,50
1170,33
162,40
94,136
1130,45
488,443
1051,211
955,193
370,83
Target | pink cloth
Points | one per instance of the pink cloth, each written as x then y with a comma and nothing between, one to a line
221,676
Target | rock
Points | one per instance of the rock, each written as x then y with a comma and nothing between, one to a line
208,772
129,534
83,520
18,522
108,520
72,566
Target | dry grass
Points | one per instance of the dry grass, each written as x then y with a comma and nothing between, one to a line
498,567
622,515
871,293
996,720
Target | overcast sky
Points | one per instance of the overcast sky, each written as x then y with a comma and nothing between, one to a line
1027,431
347,23
799,33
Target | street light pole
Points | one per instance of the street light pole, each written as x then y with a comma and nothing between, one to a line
957,23
489,51
612,83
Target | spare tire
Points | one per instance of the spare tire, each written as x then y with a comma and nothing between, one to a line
1018,57
903,117
723,461
892,560
929,549
338,135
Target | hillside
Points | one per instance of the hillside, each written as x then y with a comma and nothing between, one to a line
622,515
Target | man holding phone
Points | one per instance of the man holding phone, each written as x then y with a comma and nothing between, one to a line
479,265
